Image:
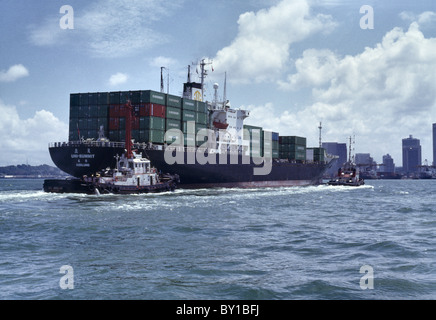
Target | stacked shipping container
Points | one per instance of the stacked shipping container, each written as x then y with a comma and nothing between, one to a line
88,112
315,154
292,147
154,113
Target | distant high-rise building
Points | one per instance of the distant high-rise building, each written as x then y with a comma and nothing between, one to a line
365,162
364,159
434,144
411,154
337,149
388,164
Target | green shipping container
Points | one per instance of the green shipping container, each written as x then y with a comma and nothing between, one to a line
154,136
74,99
114,97
102,122
93,98
318,154
124,96
83,99
150,96
197,127
114,135
201,107
83,124
172,138
173,101
202,118
92,124
122,124
135,135
73,135
93,111
173,124
83,112
74,112
103,111
154,123
188,115
91,134
188,104
292,148
292,155
135,97
292,140
189,140
253,133
103,98
174,113
275,145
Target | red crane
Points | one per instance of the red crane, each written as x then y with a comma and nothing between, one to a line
129,144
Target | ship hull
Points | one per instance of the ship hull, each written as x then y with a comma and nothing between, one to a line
81,159
88,160
237,174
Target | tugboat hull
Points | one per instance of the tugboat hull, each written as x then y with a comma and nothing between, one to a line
84,187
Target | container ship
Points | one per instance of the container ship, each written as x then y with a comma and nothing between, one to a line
205,143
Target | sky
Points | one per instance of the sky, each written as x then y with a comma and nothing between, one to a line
363,68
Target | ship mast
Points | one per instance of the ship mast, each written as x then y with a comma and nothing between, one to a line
320,129
203,75
161,79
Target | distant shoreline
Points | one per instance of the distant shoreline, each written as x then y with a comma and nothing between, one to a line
25,171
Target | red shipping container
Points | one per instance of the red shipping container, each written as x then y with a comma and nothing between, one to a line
144,110
114,123
152,110
114,111
123,111
159,111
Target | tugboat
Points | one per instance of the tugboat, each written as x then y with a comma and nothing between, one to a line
348,175
133,174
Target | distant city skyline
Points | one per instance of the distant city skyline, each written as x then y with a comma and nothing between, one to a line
411,154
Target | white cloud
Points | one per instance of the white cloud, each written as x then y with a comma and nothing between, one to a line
24,139
14,73
381,95
423,18
109,28
117,79
260,51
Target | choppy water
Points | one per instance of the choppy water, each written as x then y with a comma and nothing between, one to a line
288,243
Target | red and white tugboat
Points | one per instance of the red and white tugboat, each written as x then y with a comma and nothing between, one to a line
133,174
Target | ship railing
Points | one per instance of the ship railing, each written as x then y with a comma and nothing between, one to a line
106,144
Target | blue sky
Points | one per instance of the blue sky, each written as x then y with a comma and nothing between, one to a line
293,63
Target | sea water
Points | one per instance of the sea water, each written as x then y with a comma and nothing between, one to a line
319,242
